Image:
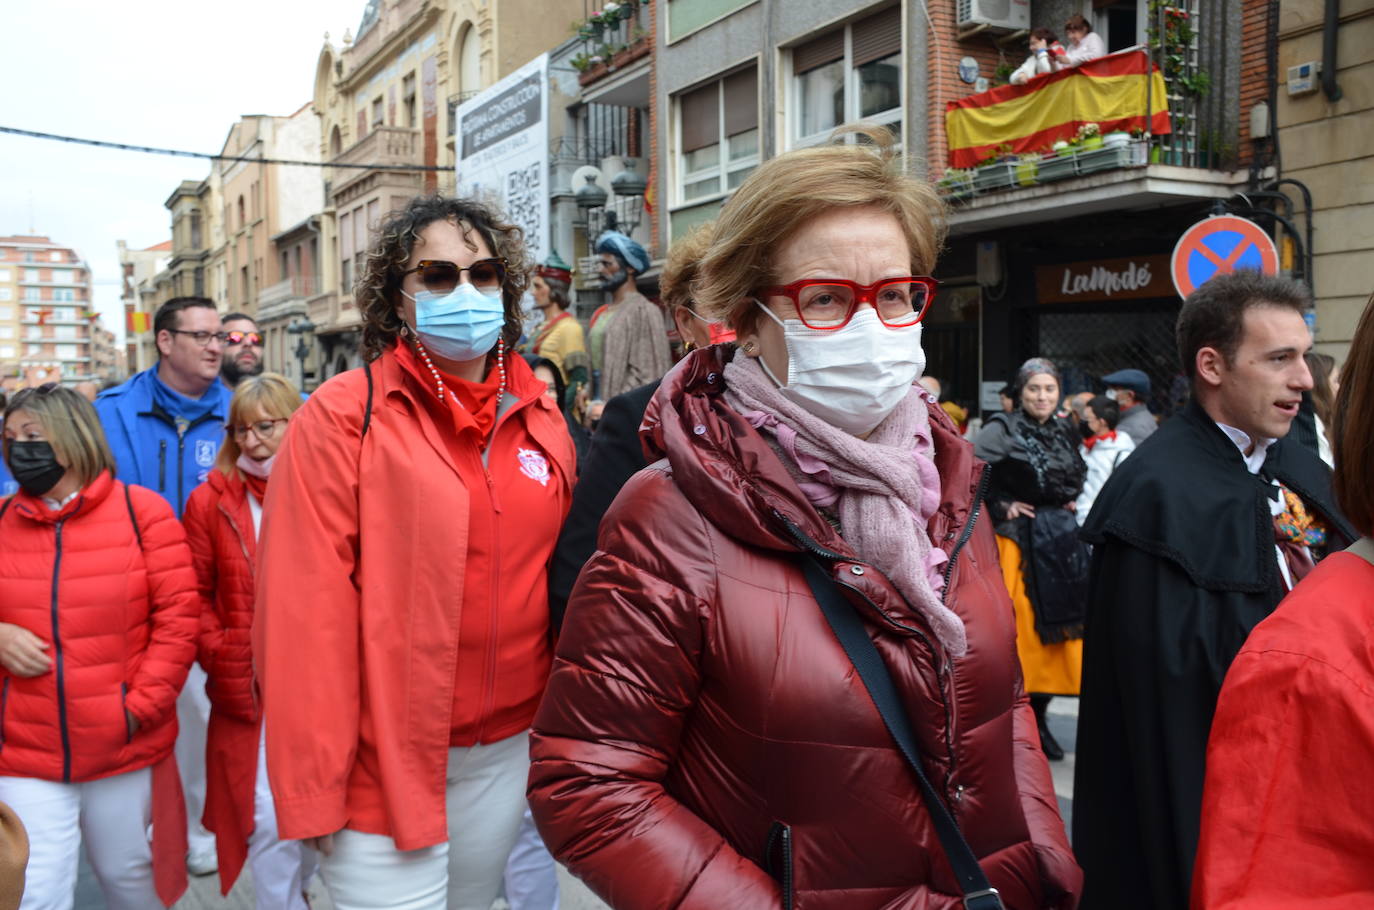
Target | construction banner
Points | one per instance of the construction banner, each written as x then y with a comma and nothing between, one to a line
1117,92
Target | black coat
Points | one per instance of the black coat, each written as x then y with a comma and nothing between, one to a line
1183,568
615,456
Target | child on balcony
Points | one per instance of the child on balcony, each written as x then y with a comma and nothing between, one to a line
1046,51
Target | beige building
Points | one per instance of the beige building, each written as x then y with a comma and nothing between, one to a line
387,96
138,269
45,312
1325,146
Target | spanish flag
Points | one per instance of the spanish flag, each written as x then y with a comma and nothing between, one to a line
1109,91
138,323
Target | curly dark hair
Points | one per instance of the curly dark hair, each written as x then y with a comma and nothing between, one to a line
377,288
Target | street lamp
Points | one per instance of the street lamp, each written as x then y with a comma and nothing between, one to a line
600,212
302,328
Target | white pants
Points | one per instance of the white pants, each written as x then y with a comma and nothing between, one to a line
112,816
531,874
485,802
280,868
193,718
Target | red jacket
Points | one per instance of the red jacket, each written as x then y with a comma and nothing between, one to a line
700,706
219,528
367,642
117,603
1285,810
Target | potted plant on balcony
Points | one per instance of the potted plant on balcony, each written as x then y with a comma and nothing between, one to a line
1090,136
956,183
1027,169
995,172
1058,166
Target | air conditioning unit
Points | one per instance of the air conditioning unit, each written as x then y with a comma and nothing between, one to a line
1005,15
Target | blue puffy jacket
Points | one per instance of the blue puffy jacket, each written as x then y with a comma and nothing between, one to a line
158,450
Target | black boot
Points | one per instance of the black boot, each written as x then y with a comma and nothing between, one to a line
1048,744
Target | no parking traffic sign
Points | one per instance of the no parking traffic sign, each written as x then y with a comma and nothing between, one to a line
1218,246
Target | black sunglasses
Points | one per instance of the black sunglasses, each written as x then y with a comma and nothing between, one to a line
443,276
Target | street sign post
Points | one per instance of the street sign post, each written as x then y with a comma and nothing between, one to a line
1218,246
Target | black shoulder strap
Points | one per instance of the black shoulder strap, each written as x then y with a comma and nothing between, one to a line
849,629
367,412
5,506
133,519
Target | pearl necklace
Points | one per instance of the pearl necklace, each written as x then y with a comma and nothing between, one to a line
439,379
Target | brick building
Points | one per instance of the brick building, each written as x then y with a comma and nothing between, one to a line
737,82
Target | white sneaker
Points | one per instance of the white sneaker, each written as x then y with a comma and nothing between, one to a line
202,862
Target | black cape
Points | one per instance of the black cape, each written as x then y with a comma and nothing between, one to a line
1183,568
615,455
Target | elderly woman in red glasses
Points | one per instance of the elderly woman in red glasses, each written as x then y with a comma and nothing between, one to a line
402,627
788,677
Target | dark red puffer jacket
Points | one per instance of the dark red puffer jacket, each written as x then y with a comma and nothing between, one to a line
119,615
219,528
700,706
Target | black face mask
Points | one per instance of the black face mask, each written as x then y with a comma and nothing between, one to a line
34,465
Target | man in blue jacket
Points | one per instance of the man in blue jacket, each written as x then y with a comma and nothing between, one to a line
166,423
165,426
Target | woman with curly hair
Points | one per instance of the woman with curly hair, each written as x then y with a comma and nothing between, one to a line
401,632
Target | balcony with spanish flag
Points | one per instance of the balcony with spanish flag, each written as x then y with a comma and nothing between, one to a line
1067,190
1126,129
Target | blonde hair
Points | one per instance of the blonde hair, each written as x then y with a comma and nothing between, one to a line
71,427
270,394
786,192
681,267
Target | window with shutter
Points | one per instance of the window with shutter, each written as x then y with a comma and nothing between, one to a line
824,94
718,136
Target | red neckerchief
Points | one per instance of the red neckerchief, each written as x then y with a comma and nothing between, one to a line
256,485
1094,440
544,332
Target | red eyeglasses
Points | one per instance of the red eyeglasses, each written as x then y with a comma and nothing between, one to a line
827,304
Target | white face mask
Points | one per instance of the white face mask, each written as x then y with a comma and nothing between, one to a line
853,377
1111,393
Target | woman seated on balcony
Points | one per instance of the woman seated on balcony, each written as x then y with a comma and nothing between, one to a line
1084,43
1046,52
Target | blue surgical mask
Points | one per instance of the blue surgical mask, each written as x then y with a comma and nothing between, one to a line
461,325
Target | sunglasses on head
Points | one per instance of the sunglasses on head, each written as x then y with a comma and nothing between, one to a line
252,338
442,276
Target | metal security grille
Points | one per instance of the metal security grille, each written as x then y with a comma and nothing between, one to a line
1087,345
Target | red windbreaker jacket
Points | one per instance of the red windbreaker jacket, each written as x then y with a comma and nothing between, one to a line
1285,810
705,742
362,575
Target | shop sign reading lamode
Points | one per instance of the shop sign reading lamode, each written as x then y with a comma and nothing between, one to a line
1131,278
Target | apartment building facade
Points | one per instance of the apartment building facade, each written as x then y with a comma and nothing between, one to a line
737,82
46,315
388,96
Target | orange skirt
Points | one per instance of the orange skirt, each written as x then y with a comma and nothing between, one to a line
1048,669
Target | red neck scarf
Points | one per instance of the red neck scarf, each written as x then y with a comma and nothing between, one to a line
1094,440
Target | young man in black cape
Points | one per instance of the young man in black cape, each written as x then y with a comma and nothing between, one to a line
1194,542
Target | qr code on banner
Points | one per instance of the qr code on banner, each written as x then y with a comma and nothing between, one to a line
525,202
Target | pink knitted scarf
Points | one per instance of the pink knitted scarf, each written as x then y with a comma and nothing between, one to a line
884,488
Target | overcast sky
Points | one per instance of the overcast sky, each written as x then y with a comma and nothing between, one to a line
147,72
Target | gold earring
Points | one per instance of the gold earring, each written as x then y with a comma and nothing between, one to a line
749,347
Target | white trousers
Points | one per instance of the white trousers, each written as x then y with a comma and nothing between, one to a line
280,868
485,802
531,873
193,719
112,816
